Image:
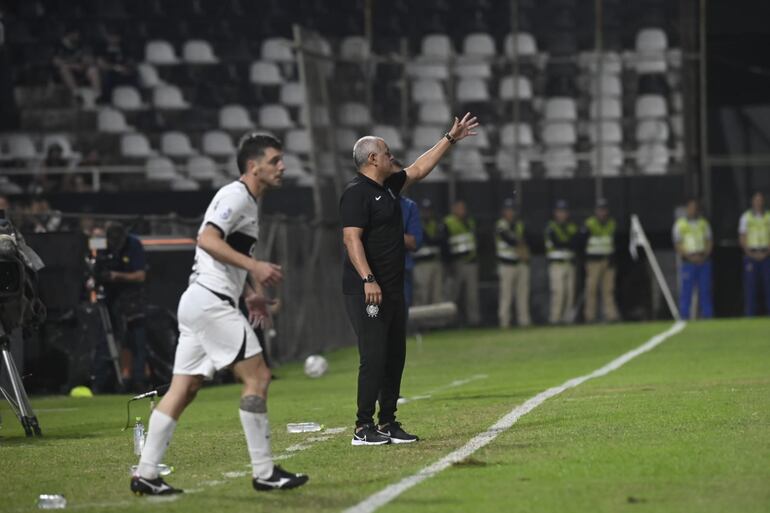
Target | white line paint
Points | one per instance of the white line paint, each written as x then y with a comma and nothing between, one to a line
387,494
454,384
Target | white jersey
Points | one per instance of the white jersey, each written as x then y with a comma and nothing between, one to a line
234,211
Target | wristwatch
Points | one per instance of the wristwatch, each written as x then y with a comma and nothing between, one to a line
370,279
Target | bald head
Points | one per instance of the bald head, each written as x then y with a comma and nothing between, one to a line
364,147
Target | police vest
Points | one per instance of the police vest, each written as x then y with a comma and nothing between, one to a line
505,251
462,242
560,249
692,236
600,237
757,230
428,250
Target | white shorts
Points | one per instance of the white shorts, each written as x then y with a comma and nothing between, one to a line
212,333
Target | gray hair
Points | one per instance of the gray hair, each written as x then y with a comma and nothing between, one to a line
365,146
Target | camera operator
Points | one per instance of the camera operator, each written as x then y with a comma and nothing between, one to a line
122,274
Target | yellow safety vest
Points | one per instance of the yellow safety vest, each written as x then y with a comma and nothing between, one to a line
462,241
505,251
600,237
693,236
757,230
428,251
563,233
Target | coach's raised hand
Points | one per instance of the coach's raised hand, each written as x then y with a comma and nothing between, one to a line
462,128
266,273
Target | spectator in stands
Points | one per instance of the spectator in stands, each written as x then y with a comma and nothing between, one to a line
428,272
40,217
461,237
693,242
75,64
561,240
512,266
599,234
754,234
115,67
412,242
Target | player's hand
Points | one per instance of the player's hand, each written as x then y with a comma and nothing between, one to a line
267,273
259,309
372,293
462,128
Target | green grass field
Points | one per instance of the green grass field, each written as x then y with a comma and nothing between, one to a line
683,428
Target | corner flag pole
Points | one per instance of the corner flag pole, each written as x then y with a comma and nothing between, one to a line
639,238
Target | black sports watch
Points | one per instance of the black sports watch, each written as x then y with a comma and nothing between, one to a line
370,279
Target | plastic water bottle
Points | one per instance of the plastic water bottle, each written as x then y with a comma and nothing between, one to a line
51,501
303,427
138,436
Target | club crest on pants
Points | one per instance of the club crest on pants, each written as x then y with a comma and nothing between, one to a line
372,310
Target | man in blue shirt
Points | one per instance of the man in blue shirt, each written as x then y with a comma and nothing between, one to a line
412,242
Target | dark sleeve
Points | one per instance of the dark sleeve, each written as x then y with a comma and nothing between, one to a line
354,210
396,181
136,258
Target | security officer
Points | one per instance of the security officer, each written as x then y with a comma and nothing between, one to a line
693,242
512,266
599,234
461,237
561,239
754,233
428,273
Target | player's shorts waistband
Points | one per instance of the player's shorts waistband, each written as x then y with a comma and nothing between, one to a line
223,297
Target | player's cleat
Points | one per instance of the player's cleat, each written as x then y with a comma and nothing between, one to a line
396,433
368,435
279,480
157,486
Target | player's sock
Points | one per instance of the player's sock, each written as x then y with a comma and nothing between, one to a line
159,435
256,427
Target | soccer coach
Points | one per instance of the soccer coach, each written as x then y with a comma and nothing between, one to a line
373,275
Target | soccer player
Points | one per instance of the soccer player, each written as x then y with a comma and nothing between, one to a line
373,276
213,332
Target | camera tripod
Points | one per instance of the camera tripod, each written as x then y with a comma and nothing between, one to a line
18,399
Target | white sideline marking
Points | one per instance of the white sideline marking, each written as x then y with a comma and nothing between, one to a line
453,384
387,494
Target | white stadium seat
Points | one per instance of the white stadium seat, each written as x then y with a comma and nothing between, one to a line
480,141
608,85
434,113
292,94
345,138
472,90
611,63
506,164
354,114
176,144
148,75
217,144
425,137
168,97
611,160
472,67
427,67
437,47
135,146
275,117
265,73
522,91
651,39
479,44
560,108
651,106
235,117
391,136
160,52
525,45
184,184
202,167
355,48
467,162
112,121
298,141
427,90
277,49
605,132
610,109
127,98
652,159
508,134
559,162
160,168
60,140
197,51
652,130
559,133
21,146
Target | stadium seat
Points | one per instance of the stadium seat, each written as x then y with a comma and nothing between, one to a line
201,167
62,141
176,144
320,116
677,102
479,44
560,108
275,117
611,63
427,67
136,146
651,39
127,98
434,113
160,168
112,121
467,162
559,162
427,90
611,160
508,134
298,141
525,45
506,164
391,136
652,159
9,187
235,117
197,51
674,58
559,133
605,132
168,97
277,49
184,184
609,86
677,126
354,114
425,137
265,73
480,140
652,130
610,109
472,67
472,90
21,146
522,92
292,94
217,144
294,168
160,52
148,75
436,47
344,139
650,106
355,48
